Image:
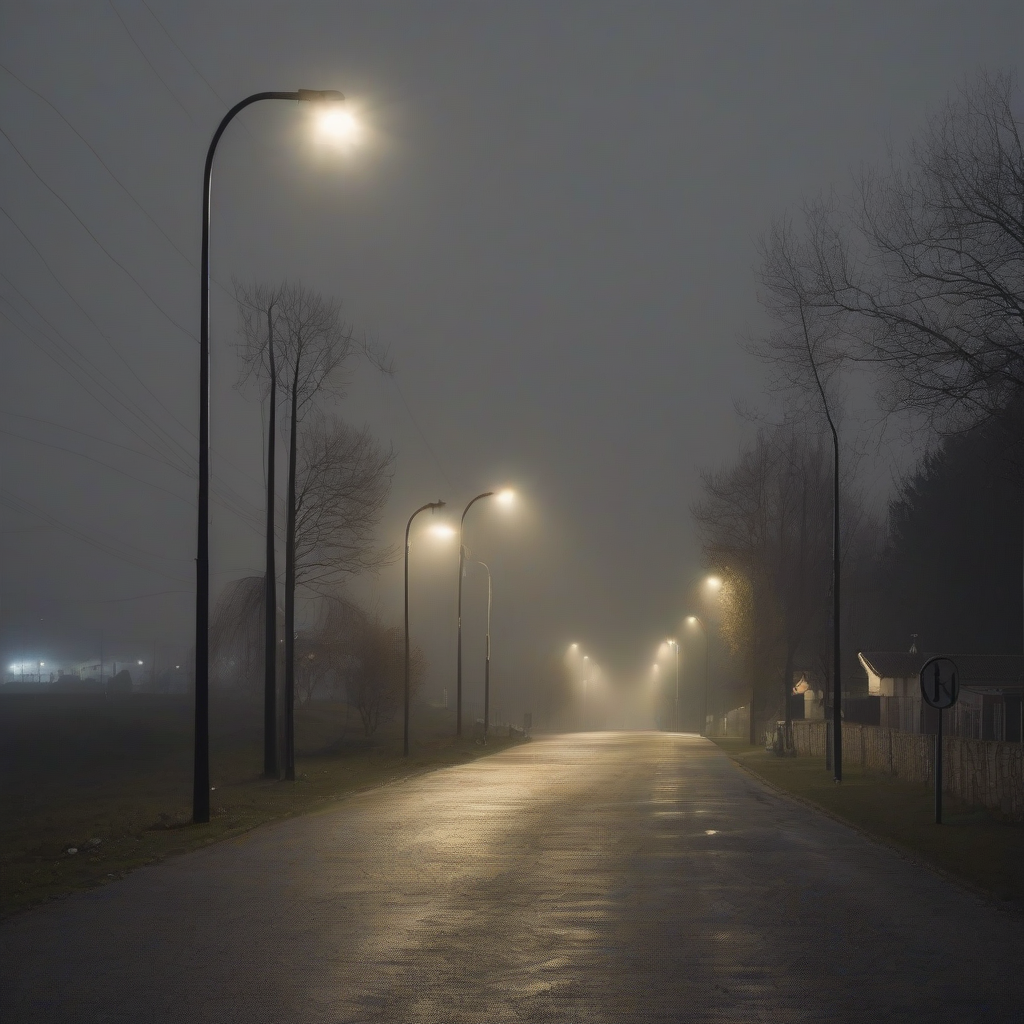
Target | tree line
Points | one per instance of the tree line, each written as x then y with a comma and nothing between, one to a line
916,276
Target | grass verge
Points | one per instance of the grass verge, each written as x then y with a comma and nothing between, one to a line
971,844
114,785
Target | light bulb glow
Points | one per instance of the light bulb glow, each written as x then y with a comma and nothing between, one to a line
338,125
443,531
506,497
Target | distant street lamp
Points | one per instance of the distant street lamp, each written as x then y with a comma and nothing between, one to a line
675,644
586,679
201,750
408,526
505,497
694,620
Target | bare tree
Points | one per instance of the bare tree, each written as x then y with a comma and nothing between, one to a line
343,482
799,275
311,344
764,523
376,685
236,633
257,309
939,282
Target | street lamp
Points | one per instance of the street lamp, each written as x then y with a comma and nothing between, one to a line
201,751
408,526
695,621
487,657
505,497
675,644
586,679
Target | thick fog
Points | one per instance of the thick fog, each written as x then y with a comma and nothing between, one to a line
548,221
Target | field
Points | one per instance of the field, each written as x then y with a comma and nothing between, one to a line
971,844
110,778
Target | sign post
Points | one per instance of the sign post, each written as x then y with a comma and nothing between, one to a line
940,688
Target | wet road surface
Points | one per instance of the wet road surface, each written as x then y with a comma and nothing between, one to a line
589,877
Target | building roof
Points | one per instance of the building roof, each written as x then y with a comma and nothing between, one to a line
974,669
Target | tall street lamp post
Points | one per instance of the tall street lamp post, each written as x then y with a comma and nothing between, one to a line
586,679
487,656
707,670
462,569
675,644
505,497
201,752
408,526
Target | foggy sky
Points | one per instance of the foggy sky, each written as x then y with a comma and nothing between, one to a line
550,224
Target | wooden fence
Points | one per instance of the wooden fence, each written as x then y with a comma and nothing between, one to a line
982,772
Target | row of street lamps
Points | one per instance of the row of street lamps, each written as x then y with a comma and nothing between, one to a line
505,497
714,584
336,121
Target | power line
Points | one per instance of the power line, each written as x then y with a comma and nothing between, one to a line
394,379
224,495
71,357
97,327
110,388
121,550
156,427
103,164
174,43
173,96
89,232
99,462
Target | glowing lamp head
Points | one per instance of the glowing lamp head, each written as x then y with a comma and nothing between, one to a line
506,497
713,582
336,123
442,531
691,619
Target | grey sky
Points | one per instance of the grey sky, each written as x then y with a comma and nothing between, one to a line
550,224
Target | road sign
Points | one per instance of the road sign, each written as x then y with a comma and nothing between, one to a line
940,687
940,682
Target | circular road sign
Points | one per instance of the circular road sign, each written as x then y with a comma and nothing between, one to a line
940,682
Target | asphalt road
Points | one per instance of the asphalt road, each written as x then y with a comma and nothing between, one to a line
595,877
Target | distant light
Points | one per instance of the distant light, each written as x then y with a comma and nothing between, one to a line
507,496
177,666
655,667
442,531
140,662
714,582
41,664
14,668
692,619
338,124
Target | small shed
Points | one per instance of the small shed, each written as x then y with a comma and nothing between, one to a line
991,690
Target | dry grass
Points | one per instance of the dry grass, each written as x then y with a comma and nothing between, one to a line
971,844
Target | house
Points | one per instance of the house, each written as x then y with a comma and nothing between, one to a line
991,690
